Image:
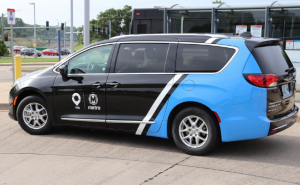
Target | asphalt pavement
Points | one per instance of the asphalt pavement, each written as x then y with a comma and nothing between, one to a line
82,156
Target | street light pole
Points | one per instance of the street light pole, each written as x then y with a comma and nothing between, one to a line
86,28
34,25
65,35
2,27
71,28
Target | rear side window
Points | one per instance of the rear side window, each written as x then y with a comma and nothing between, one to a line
141,58
272,60
201,58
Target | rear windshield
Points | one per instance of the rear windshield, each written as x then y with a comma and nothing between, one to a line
272,60
202,58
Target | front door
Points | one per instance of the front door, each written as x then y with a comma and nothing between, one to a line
136,91
80,99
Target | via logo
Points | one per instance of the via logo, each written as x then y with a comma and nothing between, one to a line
76,99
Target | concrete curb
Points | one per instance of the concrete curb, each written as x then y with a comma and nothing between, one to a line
4,106
30,64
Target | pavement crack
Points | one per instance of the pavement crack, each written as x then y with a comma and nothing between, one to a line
161,172
236,173
9,135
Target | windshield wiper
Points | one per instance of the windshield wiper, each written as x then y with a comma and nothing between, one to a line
292,69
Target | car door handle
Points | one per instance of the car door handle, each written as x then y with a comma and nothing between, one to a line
114,84
97,84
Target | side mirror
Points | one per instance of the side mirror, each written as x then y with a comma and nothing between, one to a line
62,70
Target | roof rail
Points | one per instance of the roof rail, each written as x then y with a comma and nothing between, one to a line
173,34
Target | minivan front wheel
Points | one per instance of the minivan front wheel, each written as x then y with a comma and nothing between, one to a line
34,115
195,131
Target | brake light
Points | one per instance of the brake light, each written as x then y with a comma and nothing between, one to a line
269,80
138,14
295,73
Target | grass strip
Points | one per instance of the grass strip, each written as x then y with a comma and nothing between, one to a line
30,60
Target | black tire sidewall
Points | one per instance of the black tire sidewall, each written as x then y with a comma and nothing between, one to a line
213,134
34,99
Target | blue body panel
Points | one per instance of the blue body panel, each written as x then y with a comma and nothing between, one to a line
240,105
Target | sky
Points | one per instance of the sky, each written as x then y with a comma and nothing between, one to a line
56,11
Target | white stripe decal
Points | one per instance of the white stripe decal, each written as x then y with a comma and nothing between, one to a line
209,41
157,102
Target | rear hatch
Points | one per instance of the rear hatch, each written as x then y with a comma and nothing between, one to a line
272,59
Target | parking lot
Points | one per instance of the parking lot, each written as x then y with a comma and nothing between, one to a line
83,156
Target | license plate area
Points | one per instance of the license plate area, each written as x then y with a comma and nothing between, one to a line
285,89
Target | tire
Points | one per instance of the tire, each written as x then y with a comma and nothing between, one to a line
32,127
208,141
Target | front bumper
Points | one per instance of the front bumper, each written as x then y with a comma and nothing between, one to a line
280,124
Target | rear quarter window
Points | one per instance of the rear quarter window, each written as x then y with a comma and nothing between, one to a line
202,58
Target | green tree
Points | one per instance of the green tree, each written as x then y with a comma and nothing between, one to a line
120,22
3,49
217,2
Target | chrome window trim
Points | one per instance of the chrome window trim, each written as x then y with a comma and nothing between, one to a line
74,55
194,43
108,121
158,42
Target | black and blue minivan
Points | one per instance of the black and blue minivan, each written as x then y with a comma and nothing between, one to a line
198,89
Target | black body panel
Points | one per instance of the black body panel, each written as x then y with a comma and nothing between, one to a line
39,82
66,102
133,97
279,105
284,122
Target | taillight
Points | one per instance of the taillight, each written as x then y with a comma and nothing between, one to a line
260,80
295,73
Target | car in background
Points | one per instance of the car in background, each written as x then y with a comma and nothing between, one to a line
64,51
49,52
17,49
30,52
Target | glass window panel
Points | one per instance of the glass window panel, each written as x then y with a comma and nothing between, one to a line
90,61
228,20
194,21
141,58
199,58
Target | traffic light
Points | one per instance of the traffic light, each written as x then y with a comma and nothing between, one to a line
47,25
103,30
93,28
62,26
107,30
98,30
6,37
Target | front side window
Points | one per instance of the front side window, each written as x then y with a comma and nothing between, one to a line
90,61
141,58
201,58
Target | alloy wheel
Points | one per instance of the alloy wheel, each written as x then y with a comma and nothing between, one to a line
35,115
193,131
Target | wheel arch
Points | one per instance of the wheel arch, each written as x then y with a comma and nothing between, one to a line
183,105
27,92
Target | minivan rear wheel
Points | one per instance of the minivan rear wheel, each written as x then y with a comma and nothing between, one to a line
34,115
195,131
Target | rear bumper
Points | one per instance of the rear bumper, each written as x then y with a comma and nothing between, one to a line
280,124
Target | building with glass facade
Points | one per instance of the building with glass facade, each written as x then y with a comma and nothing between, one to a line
272,20
276,19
